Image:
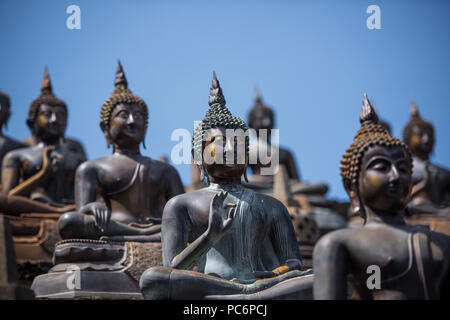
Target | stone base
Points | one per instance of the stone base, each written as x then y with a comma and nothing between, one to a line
93,269
34,237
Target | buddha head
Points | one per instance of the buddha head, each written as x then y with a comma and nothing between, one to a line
419,135
260,116
5,109
47,115
124,116
220,140
376,168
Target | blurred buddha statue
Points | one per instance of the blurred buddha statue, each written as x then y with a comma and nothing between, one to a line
44,172
431,183
6,143
411,262
134,187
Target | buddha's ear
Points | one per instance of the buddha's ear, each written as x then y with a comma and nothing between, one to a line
108,138
355,201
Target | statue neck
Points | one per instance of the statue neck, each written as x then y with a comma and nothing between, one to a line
383,217
127,150
226,186
225,181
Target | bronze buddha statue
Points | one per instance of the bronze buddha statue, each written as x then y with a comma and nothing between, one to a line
6,143
431,183
134,187
44,172
413,261
261,119
242,243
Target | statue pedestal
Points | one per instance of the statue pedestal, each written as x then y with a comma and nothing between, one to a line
94,269
34,237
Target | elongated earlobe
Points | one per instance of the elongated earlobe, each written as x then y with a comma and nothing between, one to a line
143,144
108,139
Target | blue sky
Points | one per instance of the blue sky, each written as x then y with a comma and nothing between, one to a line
311,60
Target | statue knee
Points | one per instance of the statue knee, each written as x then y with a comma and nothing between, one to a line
70,225
155,283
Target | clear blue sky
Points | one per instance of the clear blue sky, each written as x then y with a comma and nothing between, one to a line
312,61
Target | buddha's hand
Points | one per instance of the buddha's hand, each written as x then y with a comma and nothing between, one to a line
221,216
101,213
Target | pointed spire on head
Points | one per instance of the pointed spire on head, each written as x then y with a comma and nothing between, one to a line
46,85
368,113
414,110
258,98
120,76
215,93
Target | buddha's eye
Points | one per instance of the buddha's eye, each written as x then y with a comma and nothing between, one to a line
380,165
139,115
123,114
403,167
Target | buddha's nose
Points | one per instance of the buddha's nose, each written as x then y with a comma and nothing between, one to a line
394,175
130,119
425,138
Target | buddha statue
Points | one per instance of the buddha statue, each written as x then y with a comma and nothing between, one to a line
413,261
6,143
44,172
261,119
134,187
431,183
241,243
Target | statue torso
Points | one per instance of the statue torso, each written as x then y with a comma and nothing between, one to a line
59,186
247,246
398,255
134,189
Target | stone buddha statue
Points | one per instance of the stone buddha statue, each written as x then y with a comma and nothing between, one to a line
44,172
134,187
241,243
431,183
413,261
6,143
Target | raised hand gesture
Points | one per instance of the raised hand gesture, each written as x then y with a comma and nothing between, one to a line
221,216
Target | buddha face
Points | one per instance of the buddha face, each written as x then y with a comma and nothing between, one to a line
127,125
262,120
50,122
224,154
385,179
421,141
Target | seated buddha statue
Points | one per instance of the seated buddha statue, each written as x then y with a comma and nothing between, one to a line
431,183
413,262
6,143
44,172
263,153
242,243
134,188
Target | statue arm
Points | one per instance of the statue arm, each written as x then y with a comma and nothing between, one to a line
175,186
10,172
292,168
86,182
330,265
175,233
284,240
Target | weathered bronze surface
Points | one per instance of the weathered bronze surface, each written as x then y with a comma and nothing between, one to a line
111,242
431,183
134,188
46,171
242,242
413,260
